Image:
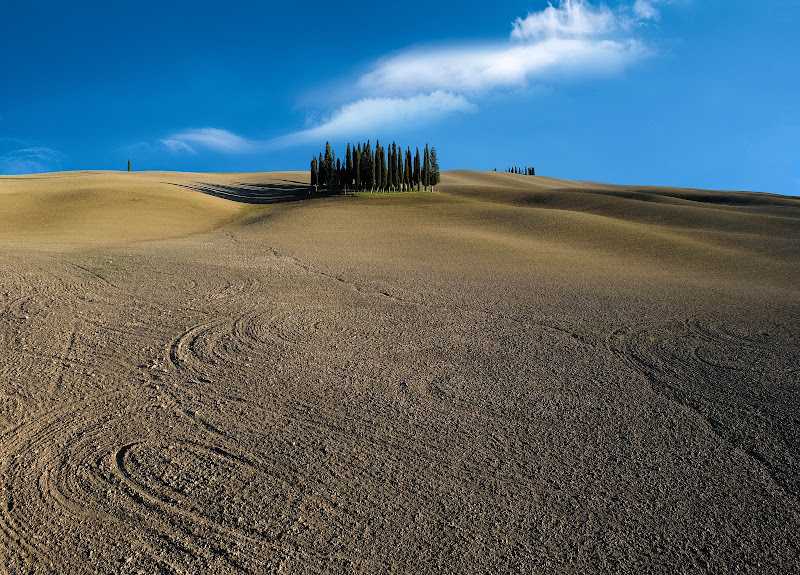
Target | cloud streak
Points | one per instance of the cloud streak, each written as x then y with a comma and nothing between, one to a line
479,69
374,114
30,160
215,139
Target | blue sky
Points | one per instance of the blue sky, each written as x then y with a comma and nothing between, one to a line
694,93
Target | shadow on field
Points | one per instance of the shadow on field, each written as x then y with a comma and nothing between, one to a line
273,193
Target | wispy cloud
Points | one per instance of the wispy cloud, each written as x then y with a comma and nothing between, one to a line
30,160
374,114
209,139
649,9
478,69
646,10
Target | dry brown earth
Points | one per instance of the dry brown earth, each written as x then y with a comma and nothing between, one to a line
516,374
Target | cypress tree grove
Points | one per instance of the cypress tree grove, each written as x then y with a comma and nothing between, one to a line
380,168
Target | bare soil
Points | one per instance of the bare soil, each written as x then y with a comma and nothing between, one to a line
219,374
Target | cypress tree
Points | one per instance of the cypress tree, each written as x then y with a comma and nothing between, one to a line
384,171
357,166
348,169
398,174
329,164
369,180
407,173
314,173
378,174
417,170
426,168
322,176
390,165
435,176
365,152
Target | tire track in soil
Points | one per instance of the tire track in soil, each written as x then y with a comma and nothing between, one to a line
62,466
18,312
743,354
693,365
31,454
208,350
203,488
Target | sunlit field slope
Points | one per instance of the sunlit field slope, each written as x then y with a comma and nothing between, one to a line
81,208
221,373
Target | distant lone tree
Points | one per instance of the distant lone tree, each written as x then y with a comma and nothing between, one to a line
129,165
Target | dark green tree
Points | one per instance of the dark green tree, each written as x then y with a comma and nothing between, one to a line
314,174
368,166
330,165
417,170
435,175
398,172
384,184
426,168
348,168
378,166
357,166
389,168
129,165
408,177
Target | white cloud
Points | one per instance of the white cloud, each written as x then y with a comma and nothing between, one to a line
176,146
574,38
373,114
475,69
31,160
646,10
572,19
211,139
